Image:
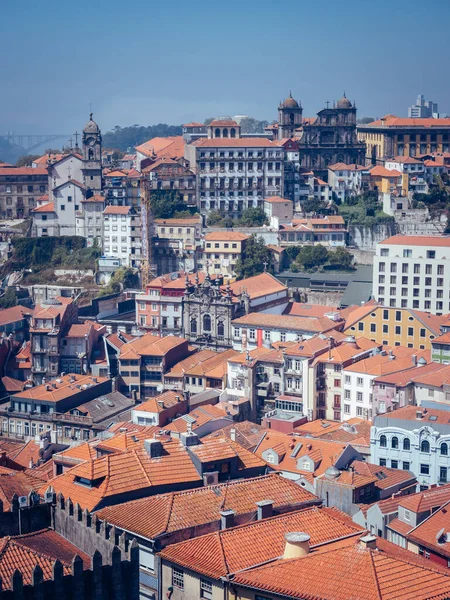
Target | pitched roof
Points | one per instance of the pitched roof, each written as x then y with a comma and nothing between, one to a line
355,431
117,210
150,345
235,236
418,240
420,123
171,147
13,314
380,171
433,533
386,477
223,123
23,171
231,550
181,367
60,388
166,513
169,398
246,433
290,449
428,415
286,322
16,482
24,552
49,207
211,449
278,200
116,475
196,418
257,286
345,569
426,500
346,167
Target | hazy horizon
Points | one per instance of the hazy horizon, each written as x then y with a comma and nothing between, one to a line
174,63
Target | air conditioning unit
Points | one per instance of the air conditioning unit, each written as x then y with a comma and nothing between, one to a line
23,501
211,478
48,497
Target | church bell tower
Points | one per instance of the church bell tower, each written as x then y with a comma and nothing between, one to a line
92,158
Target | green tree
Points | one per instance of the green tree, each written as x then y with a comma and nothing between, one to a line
312,257
215,218
251,125
124,138
340,257
165,203
253,217
122,279
255,255
26,160
9,298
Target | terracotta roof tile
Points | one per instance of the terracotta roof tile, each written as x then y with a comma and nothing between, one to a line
196,418
150,345
417,240
155,516
426,500
231,550
60,388
433,532
13,314
169,398
386,477
171,147
264,320
41,548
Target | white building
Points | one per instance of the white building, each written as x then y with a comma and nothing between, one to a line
405,164
413,439
346,180
234,173
413,272
45,220
120,233
89,219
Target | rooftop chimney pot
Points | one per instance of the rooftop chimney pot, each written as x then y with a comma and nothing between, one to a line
297,544
368,541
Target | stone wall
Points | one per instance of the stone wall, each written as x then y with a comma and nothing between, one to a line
366,238
32,517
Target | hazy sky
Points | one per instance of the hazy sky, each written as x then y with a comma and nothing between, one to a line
148,62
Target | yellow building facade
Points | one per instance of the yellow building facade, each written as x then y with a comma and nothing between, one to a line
395,326
393,136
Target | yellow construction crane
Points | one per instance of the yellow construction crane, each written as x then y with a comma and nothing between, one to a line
146,267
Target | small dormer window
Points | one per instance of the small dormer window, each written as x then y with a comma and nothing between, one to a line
306,465
83,481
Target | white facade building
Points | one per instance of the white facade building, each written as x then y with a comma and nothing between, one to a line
89,219
413,272
346,180
413,439
120,233
234,173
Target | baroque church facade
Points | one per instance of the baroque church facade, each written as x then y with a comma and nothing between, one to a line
208,311
326,139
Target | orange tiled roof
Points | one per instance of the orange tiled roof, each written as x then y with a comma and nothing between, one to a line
231,550
214,366
171,147
26,453
170,398
197,417
323,453
16,482
80,452
426,500
246,433
409,413
433,532
60,388
117,210
402,378
346,167
418,240
150,345
278,200
23,171
346,570
49,207
265,320
302,309
257,286
355,432
13,314
211,449
41,548
183,366
386,477
393,121
12,385
77,331
223,123
186,221
226,236
167,513
380,171
117,475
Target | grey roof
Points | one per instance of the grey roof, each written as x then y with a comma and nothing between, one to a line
357,292
203,397
107,406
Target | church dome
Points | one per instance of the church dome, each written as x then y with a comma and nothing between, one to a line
332,472
344,102
92,126
290,102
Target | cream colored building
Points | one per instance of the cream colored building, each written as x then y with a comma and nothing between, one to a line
222,251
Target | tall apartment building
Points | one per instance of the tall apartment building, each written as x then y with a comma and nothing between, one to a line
122,235
423,108
234,173
19,189
49,324
222,251
413,272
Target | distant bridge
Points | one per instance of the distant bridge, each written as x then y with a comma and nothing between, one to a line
30,142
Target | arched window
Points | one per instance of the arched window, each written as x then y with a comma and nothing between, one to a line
444,449
206,323
233,132
90,154
193,325
383,441
394,442
220,329
217,133
425,446
406,444
225,132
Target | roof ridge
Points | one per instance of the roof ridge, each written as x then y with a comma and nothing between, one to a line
169,512
146,475
375,574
